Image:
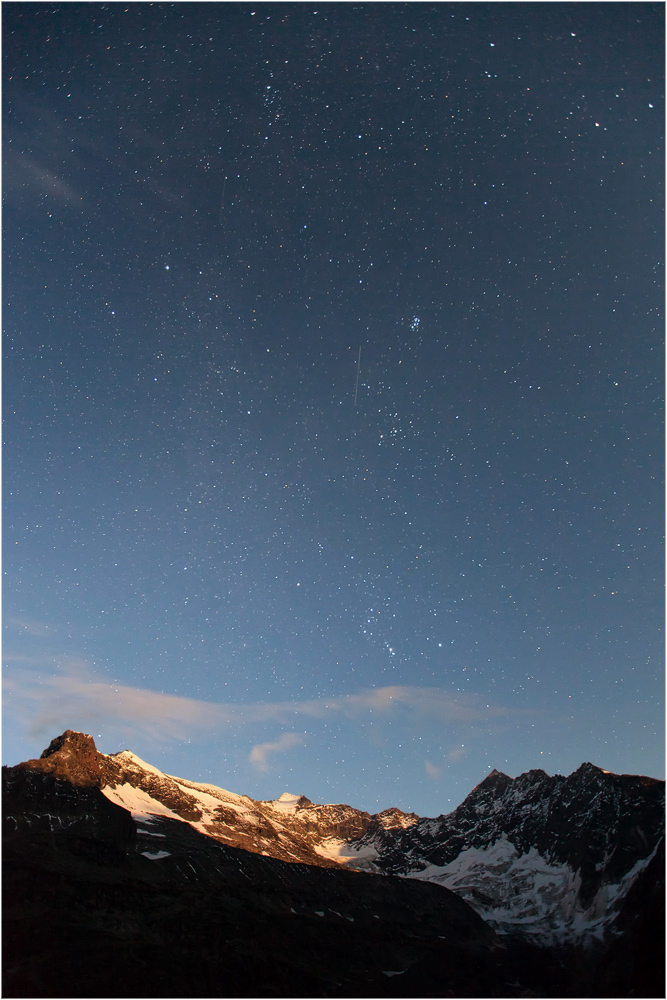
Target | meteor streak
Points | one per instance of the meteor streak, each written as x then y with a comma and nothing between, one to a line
356,385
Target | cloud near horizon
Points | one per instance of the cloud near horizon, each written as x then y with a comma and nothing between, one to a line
67,693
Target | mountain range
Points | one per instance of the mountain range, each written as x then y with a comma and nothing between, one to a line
121,880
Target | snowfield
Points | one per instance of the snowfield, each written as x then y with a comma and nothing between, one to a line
526,893
138,802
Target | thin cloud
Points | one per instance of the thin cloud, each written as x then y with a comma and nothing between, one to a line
30,178
67,693
75,693
29,626
259,754
427,701
431,769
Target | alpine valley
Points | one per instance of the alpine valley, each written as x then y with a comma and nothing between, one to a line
122,881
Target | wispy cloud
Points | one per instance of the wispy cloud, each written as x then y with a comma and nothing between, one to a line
73,695
259,754
29,626
66,692
435,770
32,178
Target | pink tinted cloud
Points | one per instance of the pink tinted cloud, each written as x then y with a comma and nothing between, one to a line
67,693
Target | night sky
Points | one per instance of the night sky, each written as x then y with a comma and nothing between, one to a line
333,378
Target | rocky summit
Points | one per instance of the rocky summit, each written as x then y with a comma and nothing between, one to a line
120,880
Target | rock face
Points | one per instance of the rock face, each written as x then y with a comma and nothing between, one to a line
124,881
74,757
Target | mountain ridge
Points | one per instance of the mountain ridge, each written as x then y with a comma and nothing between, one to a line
574,844
84,745
533,886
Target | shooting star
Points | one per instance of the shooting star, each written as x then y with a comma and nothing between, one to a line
356,386
222,199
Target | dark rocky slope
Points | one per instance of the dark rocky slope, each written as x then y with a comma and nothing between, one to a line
87,916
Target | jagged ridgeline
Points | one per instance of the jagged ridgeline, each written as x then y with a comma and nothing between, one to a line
120,880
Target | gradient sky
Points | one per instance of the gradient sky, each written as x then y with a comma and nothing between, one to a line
240,547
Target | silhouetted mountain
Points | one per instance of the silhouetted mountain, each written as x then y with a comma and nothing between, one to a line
120,880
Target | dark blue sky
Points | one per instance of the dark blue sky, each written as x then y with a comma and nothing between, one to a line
213,554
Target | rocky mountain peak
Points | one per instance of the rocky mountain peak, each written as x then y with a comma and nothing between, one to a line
590,771
71,741
396,819
73,757
290,802
495,777
535,775
495,782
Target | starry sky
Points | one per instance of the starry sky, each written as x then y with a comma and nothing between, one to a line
333,380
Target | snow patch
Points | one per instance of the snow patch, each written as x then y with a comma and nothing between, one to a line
138,802
213,796
127,757
286,803
359,856
333,848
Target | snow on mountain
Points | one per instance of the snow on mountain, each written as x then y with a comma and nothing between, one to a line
523,892
131,760
549,856
394,819
138,802
290,827
288,803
